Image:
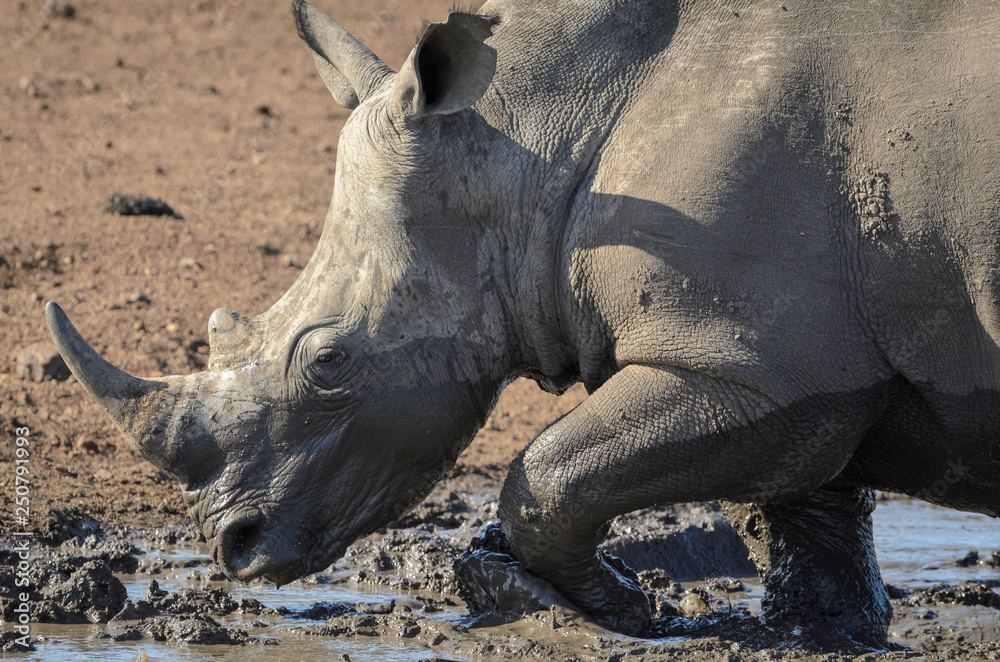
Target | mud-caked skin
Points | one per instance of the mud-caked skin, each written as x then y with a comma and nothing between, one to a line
763,235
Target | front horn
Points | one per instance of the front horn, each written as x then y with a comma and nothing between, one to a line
124,397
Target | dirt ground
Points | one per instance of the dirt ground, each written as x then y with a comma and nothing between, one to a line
215,107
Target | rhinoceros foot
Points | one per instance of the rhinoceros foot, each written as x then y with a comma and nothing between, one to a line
491,579
816,558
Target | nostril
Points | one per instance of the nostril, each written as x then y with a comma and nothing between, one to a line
245,539
240,540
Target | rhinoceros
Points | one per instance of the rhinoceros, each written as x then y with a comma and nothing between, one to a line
765,236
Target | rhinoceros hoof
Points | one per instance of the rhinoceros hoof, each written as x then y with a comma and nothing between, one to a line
491,579
614,598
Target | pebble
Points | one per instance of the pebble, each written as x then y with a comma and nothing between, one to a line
137,298
693,605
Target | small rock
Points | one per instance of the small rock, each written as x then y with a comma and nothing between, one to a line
694,605
41,362
137,298
189,263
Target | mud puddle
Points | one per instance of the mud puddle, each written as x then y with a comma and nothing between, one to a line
393,596
275,620
923,548
920,545
79,642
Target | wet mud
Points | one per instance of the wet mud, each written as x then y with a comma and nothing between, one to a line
408,588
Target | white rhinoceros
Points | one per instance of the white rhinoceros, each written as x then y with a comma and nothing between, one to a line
765,236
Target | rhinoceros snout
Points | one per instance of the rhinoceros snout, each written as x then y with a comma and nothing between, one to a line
246,549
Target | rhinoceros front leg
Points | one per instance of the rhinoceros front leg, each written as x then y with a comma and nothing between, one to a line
654,435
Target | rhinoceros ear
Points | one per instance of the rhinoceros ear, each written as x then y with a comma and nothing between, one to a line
351,72
449,69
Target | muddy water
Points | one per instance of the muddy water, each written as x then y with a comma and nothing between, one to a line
919,546
76,642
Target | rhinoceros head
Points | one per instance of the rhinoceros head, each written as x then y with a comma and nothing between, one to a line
329,415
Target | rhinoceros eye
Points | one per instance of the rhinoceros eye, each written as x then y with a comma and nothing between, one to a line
322,360
331,356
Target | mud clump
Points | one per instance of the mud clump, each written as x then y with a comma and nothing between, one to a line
189,601
60,525
319,611
183,617
972,559
973,594
63,590
410,559
388,621
157,565
138,205
451,512
121,556
188,629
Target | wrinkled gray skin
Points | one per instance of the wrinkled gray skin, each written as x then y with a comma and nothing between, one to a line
766,238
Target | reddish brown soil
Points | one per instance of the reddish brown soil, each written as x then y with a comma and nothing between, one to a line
215,107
